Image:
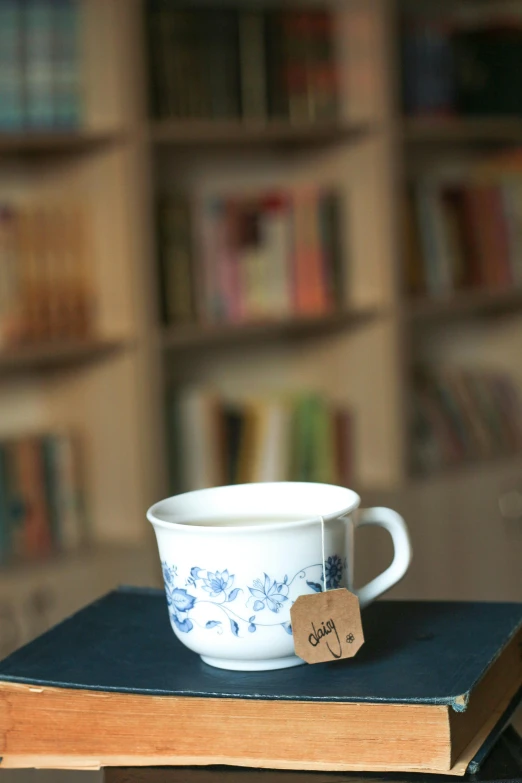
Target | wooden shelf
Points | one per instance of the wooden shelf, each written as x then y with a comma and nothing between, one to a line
29,142
199,336
463,130
190,133
455,471
55,355
95,554
466,303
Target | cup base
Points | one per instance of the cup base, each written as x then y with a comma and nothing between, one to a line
253,665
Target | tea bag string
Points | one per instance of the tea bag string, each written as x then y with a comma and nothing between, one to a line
322,551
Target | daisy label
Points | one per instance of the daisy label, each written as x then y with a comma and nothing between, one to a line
327,626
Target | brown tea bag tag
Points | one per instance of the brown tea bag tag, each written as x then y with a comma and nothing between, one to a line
327,626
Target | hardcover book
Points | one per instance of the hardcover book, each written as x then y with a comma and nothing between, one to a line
432,686
503,765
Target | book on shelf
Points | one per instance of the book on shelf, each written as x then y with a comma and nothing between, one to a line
430,691
42,507
460,61
255,257
465,233
428,66
46,291
40,65
463,414
215,440
240,63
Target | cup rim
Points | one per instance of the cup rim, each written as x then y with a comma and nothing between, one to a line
244,529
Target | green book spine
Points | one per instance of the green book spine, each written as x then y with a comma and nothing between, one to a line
11,72
67,68
323,450
302,440
333,248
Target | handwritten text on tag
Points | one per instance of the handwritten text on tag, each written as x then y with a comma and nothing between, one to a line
327,626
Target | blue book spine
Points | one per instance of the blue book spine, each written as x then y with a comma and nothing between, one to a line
38,59
11,75
48,446
67,64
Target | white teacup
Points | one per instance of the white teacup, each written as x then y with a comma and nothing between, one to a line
236,558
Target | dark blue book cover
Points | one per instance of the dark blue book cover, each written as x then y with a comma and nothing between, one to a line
462,662
415,651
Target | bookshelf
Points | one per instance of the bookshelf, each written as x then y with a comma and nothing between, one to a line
188,133
465,304
56,355
87,383
180,338
361,355
58,142
489,130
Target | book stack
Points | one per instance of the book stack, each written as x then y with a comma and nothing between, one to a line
462,415
40,67
41,496
249,64
430,691
250,258
465,233
462,63
215,441
45,288
502,765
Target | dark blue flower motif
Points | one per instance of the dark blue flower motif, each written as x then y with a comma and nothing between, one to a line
182,600
184,625
287,627
252,626
217,583
333,571
269,595
194,572
315,586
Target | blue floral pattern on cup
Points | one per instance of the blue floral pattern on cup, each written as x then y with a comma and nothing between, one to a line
254,606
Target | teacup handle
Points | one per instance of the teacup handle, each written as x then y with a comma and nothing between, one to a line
396,527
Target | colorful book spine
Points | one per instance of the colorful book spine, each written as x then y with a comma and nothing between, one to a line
262,438
257,256
276,234
464,414
42,506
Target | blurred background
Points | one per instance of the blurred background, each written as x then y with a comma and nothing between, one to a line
254,241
